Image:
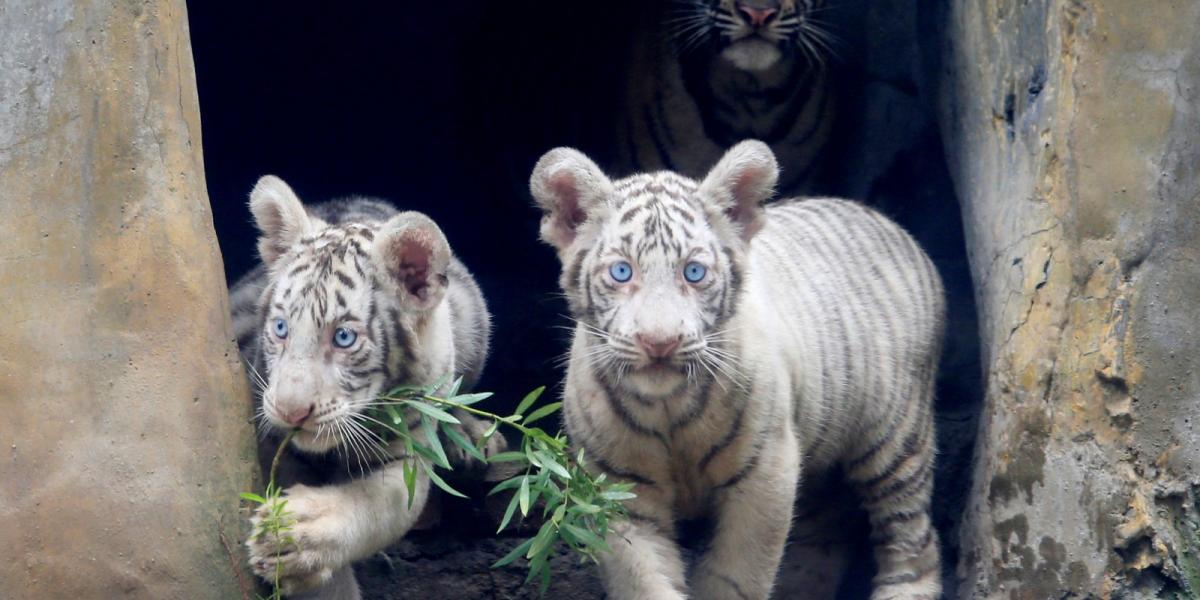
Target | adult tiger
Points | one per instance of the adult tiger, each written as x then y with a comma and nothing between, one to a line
353,298
706,74
720,346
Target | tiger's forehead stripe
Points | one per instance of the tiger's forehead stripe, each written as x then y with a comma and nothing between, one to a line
328,261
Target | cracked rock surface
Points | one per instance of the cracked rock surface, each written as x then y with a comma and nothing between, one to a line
1076,129
124,440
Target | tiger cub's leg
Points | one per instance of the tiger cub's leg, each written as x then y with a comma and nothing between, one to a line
645,562
753,515
892,471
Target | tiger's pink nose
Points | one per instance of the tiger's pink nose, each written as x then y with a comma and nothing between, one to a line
758,16
296,417
657,347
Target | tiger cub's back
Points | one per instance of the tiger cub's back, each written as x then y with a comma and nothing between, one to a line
862,299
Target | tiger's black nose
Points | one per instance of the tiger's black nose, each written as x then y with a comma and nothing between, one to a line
758,14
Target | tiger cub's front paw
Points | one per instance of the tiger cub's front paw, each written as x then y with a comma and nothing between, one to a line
310,546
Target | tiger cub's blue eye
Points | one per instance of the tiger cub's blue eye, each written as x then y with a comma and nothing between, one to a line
621,271
694,272
344,338
281,329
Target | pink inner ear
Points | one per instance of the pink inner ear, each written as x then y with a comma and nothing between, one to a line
747,194
412,259
568,213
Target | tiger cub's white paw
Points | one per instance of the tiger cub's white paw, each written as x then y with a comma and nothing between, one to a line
306,554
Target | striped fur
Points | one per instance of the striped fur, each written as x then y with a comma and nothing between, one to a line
417,316
703,77
811,342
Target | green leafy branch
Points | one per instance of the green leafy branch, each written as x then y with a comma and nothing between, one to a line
576,506
278,521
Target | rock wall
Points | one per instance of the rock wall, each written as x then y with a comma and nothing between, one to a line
124,438
1074,141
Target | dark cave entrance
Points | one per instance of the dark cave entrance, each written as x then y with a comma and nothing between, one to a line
444,107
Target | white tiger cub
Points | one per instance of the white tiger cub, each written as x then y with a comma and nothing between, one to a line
722,347
353,298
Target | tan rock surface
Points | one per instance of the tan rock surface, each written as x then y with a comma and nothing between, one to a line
124,437
1076,136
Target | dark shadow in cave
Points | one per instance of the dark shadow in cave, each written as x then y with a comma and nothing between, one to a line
444,107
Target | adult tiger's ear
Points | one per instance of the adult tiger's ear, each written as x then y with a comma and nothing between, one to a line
737,187
280,217
415,254
571,191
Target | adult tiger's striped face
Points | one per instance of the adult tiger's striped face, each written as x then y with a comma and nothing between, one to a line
652,264
753,35
341,310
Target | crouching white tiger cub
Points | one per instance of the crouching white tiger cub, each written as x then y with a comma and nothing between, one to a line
353,298
721,346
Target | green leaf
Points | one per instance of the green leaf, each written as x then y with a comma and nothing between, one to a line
435,442
394,414
436,385
529,399
549,462
617,495
508,457
542,412
429,455
507,484
508,513
542,540
432,411
514,554
462,442
402,392
585,508
253,497
410,481
453,391
469,399
559,513
438,481
523,496
545,582
587,537
487,435
531,457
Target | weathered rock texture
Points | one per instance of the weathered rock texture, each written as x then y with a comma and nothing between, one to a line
1074,140
124,438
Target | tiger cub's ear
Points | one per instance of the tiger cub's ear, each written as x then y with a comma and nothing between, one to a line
279,215
738,185
571,191
414,252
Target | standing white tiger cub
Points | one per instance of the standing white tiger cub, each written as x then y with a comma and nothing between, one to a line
353,299
722,347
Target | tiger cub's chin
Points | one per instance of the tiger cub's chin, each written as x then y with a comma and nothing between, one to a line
313,442
753,54
656,381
